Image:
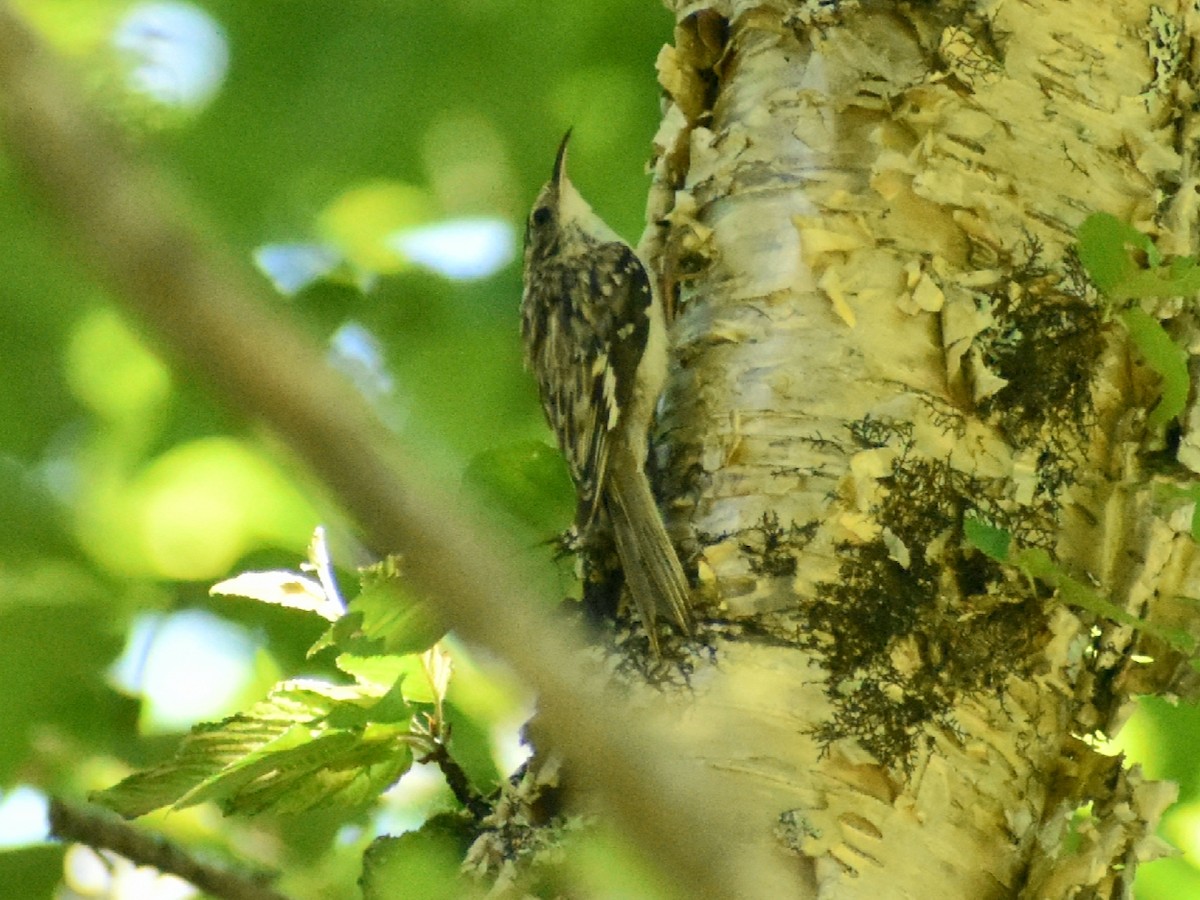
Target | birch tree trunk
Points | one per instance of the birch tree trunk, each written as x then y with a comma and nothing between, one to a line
865,213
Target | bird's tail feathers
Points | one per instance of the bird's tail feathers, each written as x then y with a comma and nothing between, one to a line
652,569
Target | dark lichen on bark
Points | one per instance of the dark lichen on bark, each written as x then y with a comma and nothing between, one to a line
919,620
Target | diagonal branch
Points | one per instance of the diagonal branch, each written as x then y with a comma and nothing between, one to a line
104,831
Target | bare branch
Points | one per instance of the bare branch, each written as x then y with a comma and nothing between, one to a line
104,831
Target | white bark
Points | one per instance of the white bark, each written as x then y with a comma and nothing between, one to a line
869,209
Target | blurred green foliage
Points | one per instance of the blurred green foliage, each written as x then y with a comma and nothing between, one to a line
125,488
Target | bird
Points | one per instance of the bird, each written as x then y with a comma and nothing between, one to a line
594,336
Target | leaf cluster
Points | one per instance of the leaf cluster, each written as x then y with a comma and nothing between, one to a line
311,743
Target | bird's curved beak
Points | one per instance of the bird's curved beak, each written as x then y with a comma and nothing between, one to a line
560,161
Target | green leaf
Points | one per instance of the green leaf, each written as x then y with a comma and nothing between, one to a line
1106,249
1166,358
33,871
408,670
392,708
381,670
298,750
281,588
1036,563
421,865
206,750
988,539
346,768
282,755
347,634
472,748
1180,278
529,480
404,623
1103,243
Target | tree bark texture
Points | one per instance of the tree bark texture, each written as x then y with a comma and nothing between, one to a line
864,214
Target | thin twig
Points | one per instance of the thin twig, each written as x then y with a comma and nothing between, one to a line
459,783
104,831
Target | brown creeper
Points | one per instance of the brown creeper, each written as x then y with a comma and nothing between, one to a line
595,340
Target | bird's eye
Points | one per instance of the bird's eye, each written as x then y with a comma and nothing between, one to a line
542,216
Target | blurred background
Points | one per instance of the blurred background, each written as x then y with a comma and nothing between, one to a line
373,162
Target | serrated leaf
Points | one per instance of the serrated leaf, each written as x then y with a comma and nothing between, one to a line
271,758
391,708
987,539
283,755
315,771
281,588
1166,358
206,750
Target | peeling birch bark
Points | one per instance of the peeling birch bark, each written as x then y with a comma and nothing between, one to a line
864,214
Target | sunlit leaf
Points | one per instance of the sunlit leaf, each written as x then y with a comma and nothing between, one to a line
437,666
281,588
392,708
301,771
410,672
346,634
382,670
283,754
